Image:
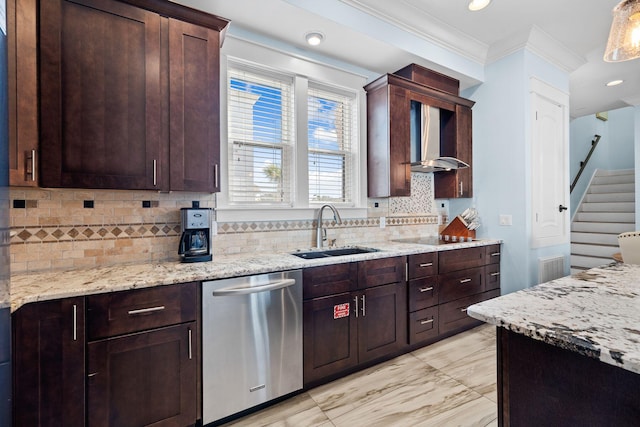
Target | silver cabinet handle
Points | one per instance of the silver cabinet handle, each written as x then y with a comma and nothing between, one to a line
495,274
465,281
75,322
427,264
190,351
215,175
33,165
364,313
426,322
461,188
495,254
464,310
155,172
245,290
145,310
406,271
356,301
430,288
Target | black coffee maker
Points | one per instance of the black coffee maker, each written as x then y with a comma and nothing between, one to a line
195,242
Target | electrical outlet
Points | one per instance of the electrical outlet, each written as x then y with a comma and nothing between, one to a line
506,220
383,222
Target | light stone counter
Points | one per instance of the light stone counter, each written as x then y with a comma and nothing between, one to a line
595,313
28,288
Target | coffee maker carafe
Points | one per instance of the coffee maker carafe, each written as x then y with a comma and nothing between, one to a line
195,242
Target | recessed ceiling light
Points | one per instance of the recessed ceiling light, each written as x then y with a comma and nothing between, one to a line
314,38
615,82
475,5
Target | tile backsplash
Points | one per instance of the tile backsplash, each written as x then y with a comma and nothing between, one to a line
63,229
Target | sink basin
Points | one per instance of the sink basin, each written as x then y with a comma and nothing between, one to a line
326,253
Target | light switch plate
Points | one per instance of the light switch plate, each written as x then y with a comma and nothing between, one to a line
506,220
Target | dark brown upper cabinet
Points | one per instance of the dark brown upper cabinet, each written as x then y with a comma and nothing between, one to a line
129,95
22,92
389,100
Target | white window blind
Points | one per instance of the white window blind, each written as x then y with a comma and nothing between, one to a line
260,126
330,135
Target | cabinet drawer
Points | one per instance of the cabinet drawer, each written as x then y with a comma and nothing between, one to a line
423,265
492,277
460,284
492,255
459,259
423,293
423,325
329,280
376,272
453,315
141,309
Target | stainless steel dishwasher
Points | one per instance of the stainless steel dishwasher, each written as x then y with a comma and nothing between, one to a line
251,341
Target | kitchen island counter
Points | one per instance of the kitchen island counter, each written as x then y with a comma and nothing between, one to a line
26,288
568,351
595,313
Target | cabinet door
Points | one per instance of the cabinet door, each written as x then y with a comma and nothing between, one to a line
194,107
382,321
49,364
330,341
148,378
23,91
100,95
457,137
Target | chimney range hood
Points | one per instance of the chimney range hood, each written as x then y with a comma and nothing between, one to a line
425,141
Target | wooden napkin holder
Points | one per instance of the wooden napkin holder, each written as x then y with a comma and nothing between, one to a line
458,228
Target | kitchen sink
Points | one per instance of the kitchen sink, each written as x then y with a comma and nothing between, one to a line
326,253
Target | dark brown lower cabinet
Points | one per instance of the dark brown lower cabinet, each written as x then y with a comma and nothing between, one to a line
345,330
146,378
49,364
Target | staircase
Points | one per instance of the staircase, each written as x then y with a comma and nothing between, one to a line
607,209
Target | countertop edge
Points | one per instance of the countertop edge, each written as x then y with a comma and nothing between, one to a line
36,287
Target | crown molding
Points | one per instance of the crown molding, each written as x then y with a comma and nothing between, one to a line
422,25
540,43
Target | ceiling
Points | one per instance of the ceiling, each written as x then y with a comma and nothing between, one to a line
380,36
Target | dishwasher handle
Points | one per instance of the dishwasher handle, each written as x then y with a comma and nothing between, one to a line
245,290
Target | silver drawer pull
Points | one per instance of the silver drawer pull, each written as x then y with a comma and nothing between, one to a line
426,322
426,264
464,310
495,274
430,288
146,310
465,280
495,254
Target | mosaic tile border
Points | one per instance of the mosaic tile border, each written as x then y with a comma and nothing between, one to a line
68,233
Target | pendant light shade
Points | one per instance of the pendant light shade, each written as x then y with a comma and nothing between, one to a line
624,37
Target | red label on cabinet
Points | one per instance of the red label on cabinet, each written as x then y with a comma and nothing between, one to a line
341,310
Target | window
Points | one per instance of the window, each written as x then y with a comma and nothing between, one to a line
330,134
292,140
260,118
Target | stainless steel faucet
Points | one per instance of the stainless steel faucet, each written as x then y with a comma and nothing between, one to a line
321,232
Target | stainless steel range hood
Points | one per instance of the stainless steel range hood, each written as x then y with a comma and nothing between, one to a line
425,141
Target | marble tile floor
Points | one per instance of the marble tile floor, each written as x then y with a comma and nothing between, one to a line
449,383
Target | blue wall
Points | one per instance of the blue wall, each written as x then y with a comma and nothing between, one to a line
614,151
501,162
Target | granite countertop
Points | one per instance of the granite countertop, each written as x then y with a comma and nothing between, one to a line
26,288
595,313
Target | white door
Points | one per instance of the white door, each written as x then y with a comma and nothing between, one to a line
549,169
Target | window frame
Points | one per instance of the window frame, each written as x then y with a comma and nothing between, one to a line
259,57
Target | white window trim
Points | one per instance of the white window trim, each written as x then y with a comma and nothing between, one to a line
264,57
